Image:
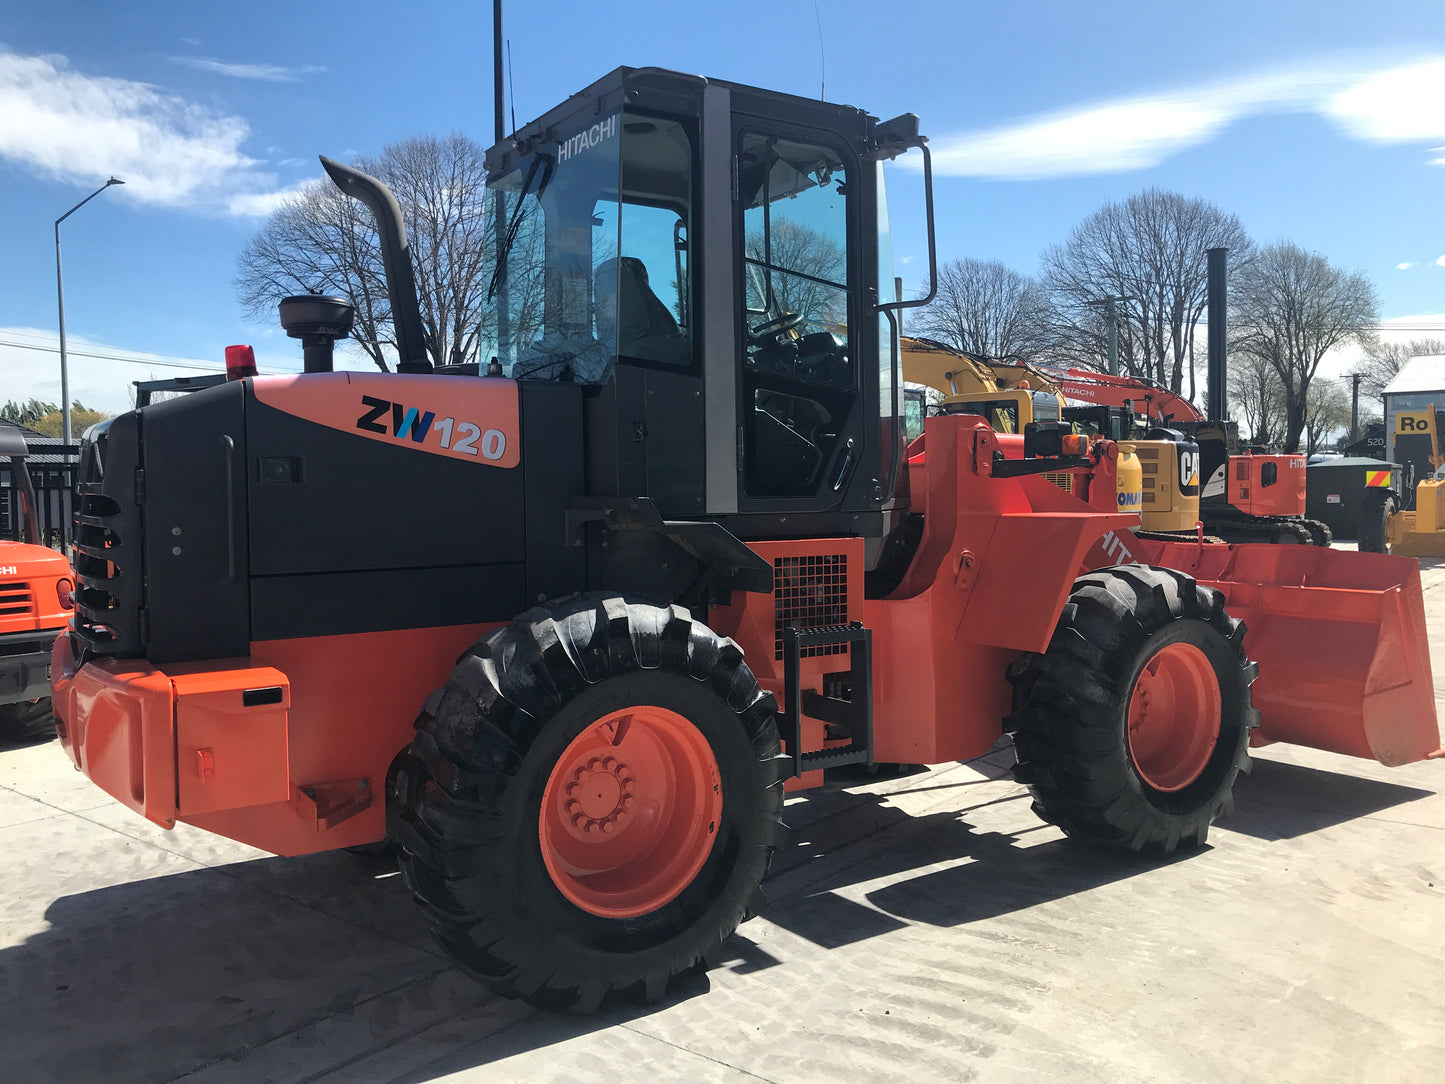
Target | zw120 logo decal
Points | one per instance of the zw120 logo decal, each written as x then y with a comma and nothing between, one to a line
403,422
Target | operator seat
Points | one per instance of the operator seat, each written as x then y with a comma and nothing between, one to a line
644,326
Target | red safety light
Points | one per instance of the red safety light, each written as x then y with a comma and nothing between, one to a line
240,362
65,591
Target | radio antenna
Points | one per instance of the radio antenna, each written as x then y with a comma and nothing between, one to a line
511,85
822,58
498,106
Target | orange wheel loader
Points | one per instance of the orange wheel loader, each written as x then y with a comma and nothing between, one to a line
35,605
564,623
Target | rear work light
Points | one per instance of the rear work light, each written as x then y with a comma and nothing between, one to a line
1073,444
240,362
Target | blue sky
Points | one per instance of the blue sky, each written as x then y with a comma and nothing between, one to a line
1319,122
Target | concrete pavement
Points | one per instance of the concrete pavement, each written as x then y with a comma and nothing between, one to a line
923,927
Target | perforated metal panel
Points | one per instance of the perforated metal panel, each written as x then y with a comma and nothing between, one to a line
810,593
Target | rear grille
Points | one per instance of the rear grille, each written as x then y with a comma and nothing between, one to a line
16,599
810,593
1063,479
107,556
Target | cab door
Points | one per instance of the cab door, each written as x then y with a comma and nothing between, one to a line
803,404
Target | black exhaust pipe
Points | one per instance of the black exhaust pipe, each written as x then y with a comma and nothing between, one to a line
1217,378
395,259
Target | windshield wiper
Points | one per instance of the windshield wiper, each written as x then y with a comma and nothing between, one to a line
517,215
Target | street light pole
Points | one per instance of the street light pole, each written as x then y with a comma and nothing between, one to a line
1111,317
60,299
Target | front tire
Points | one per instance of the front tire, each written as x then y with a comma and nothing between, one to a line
27,721
1375,512
1132,727
591,802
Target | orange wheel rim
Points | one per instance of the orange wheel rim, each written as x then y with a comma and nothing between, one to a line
1174,717
630,812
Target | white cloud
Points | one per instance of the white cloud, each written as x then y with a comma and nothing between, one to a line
1381,105
261,204
270,73
80,129
30,368
1404,266
1440,261
101,375
1397,330
1401,105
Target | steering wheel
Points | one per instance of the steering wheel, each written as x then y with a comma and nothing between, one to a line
773,328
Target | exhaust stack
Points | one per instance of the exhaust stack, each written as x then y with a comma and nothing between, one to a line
1217,378
395,259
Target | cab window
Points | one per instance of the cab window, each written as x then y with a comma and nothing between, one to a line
799,381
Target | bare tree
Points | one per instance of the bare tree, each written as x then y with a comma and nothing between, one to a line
1290,309
808,270
322,241
1151,249
1256,392
1327,409
983,307
1384,360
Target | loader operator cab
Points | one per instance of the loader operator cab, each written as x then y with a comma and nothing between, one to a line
704,259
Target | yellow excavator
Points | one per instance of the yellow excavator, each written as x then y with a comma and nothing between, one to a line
1158,468
1387,524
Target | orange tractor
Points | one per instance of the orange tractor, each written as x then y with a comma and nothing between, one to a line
563,626
35,605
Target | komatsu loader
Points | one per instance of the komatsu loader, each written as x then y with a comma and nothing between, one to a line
564,623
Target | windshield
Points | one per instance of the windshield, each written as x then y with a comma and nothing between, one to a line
593,236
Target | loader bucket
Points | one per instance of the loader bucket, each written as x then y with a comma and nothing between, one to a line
1344,663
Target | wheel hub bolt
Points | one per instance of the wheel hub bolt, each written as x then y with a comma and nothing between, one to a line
599,796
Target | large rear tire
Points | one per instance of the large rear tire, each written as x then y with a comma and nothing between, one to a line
1132,727
591,802
27,721
1375,512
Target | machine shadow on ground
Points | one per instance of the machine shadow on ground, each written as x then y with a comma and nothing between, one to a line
210,964
1278,800
988,874
6,745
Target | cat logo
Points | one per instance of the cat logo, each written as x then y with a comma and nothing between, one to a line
1189,469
